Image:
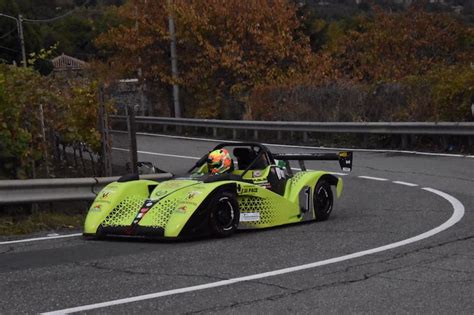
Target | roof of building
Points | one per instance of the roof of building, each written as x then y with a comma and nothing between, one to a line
64,62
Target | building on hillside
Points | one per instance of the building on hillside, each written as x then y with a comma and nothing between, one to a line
68,66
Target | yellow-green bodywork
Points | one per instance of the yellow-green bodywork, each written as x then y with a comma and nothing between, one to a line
175,201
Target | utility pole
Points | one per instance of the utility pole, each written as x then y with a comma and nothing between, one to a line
132,138
141,81
19,25
174,64
22,39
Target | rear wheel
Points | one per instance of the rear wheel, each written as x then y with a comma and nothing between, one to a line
224,214
322,200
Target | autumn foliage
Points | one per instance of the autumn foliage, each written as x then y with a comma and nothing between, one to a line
405,66
260,60
256,59
391,46
225,48
70,111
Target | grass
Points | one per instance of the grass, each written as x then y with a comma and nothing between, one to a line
39,221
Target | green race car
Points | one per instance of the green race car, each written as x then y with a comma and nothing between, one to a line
261,191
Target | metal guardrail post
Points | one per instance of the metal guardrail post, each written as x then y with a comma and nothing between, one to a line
365,141
132,137
404,142
104,132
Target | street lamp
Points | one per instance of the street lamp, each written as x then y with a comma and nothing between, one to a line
19,24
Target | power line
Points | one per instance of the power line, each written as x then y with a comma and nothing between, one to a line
6,48
20,21
8,33
57,17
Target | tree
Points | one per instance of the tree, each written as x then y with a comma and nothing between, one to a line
391,46
224,47
21,92
444,94
74,32
70,109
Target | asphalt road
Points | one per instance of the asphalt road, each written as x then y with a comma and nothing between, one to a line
432,275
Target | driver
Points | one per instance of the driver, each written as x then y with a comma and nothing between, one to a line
219,162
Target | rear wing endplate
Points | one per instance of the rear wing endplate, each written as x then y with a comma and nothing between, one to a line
344,158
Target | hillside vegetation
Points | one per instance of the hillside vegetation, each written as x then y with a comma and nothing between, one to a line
259,59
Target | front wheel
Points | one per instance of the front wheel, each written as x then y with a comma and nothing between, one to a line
322,200
224,214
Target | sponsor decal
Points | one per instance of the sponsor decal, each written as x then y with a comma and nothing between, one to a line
97,207
143,210
105,194
246,189
256,173
182,209
262,183
185,202
249,216
160,193
193,194
102,201
171,184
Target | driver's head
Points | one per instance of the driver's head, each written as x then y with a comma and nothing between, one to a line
219,161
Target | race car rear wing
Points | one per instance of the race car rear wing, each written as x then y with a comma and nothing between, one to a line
344,158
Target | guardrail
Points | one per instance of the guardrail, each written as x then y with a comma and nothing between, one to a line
404,129
420,128
61,189
50,190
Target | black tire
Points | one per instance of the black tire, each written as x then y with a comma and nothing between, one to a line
224,214
323,200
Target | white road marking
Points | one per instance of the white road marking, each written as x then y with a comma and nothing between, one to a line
45,238
404,183
373,178
458,213
308,147
161,154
